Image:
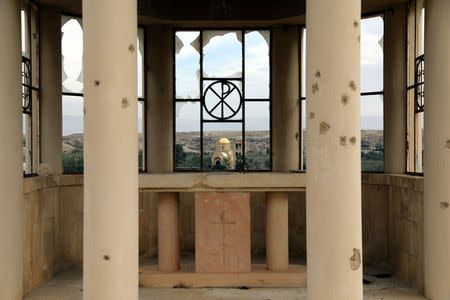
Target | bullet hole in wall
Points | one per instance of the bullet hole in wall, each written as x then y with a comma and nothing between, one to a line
355,259
324,127
125,102
344,99
315,88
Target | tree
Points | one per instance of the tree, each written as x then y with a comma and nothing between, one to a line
180,155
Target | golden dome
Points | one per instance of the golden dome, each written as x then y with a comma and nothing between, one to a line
224,141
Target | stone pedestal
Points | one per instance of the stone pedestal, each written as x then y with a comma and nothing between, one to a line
222,232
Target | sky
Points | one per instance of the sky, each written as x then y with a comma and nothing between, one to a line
222,58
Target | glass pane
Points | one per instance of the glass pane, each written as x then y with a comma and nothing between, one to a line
372,135
222,54
141,135
303,167
72,55
187,136
219,146
257,136
257,64
72,134
140,62
420,27
223,100
34,45
187,65
26,145
372,37
418,145
303,62
411,45
24,34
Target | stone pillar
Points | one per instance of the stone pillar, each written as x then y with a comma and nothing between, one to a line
168,232
286,135
277,231
11,178
285,103
333,186
395,90
110,268
160,99
437,150
160,140
50,83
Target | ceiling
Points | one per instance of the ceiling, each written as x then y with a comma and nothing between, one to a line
162,11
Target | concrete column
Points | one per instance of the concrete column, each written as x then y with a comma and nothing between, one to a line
437,150
395,90
168,232
285,135
277,231
110,150
11,178
50,83
333,186
285,103
160,99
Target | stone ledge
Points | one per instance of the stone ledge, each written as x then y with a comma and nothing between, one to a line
199,182
405,181
32,184
191,182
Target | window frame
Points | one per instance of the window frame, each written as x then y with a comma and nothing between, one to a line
415,69
143,99
29,66
199,100
302,27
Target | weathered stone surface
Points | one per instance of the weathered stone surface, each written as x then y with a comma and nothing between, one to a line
222,226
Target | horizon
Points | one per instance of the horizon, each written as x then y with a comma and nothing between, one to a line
187,115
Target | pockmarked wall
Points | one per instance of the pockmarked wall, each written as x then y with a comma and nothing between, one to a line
392,215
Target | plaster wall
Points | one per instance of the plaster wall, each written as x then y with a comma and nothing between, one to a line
42,225
406,228
392,215
375,204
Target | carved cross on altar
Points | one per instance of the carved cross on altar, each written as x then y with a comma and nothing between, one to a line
223,222
222,232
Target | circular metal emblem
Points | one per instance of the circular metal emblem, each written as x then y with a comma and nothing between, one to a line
222,99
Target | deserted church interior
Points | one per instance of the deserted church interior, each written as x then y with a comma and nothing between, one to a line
224,149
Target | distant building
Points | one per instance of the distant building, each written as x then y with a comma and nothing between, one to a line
226,153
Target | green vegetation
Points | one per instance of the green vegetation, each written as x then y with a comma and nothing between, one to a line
187,155
72,163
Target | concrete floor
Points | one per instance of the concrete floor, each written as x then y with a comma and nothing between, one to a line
68,286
